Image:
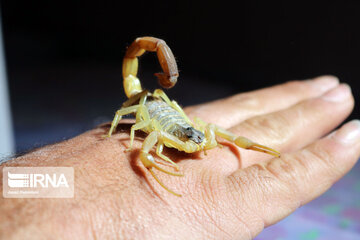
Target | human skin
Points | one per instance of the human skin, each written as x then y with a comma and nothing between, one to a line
230,193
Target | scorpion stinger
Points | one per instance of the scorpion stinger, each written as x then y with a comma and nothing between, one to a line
167,79
163,119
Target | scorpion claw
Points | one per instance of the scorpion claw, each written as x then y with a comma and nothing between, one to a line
261,148
248,144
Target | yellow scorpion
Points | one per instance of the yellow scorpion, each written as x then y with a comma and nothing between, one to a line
164,120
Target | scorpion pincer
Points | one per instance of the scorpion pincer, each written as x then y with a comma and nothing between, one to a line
164,120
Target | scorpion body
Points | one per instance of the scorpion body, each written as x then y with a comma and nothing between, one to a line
164,120
172,121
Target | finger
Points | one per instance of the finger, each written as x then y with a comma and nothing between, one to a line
275,189
293,128
230,111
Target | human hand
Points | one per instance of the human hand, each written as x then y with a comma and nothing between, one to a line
229,194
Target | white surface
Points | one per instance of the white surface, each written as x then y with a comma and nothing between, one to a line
6,133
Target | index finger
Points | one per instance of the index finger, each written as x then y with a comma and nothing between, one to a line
230,111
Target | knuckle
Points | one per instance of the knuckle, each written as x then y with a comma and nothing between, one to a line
297,173
266,180
299,87
278,182
246,101
258,182
324,157
266,187
269,187
280,168
286,173
272,125
296,85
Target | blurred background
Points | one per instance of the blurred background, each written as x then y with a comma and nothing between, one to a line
63,64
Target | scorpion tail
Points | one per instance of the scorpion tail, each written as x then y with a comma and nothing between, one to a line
167,79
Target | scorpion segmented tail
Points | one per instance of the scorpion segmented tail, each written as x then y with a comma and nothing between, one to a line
167,79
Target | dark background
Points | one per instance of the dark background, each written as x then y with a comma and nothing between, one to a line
64,57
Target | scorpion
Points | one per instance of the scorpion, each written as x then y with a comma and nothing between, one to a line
163,119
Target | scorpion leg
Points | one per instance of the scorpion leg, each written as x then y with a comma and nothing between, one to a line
159,149
137,126
141,95
242,141
119,113
142,121
148,160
